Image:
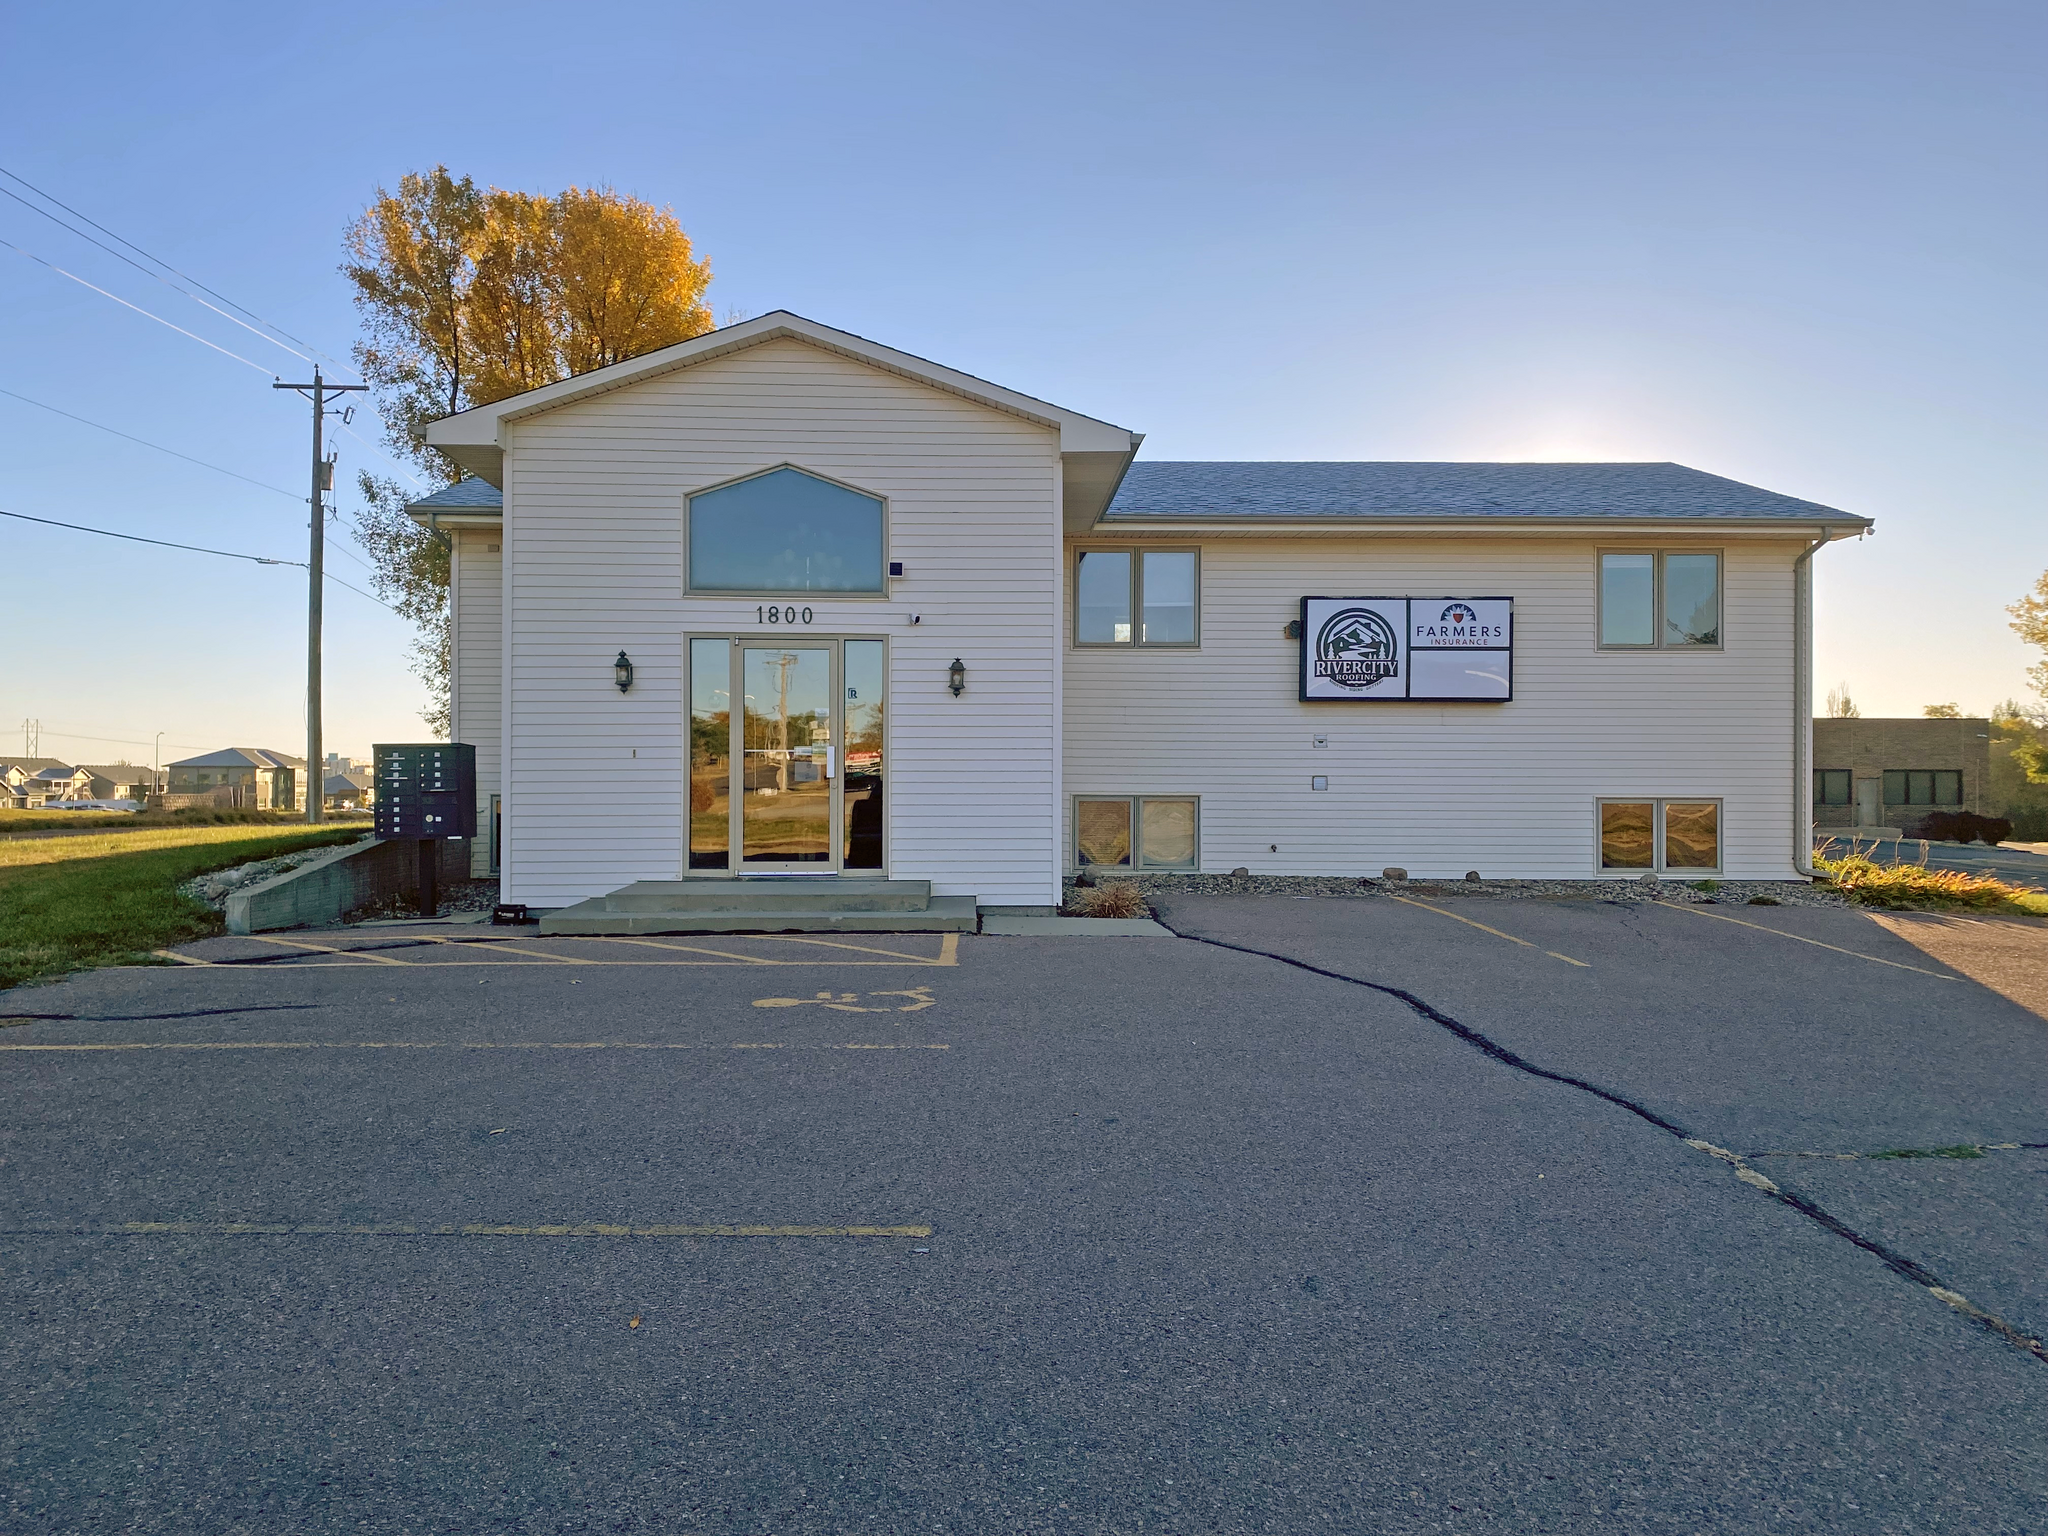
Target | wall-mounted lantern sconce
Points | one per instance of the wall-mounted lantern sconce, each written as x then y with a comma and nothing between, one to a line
956,677
622,671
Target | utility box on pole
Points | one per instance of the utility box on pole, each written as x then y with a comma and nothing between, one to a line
426,792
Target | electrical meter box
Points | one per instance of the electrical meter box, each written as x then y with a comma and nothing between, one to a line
427,790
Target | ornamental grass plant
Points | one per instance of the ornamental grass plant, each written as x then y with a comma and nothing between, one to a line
1901,886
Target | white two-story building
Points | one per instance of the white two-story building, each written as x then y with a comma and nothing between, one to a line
781,600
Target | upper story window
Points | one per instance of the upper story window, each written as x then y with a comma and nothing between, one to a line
1651,599
1143,597
785,532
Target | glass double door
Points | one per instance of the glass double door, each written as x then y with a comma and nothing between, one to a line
791,780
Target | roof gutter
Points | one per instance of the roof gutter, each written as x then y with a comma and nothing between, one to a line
1802,704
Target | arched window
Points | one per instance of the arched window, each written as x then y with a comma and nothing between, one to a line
785,531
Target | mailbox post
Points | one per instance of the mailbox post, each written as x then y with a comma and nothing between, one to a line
425,793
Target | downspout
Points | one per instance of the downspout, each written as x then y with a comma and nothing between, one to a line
1802,707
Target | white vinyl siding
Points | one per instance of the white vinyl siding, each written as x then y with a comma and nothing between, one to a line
594,534
477,679
1508,789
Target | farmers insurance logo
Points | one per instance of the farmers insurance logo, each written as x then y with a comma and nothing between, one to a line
1356,648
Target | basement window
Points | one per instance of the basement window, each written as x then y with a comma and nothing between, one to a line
1136,832
1654,836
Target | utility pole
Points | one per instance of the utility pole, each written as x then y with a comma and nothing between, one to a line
323,481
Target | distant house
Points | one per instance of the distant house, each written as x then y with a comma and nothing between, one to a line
119,781
237,778
32,781
347,791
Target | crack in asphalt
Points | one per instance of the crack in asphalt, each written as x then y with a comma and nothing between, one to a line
1962,1151
1898,1263
146,1018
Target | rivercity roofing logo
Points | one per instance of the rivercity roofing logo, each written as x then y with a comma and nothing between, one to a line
1356,648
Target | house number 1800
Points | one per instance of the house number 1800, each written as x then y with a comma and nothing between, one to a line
780,615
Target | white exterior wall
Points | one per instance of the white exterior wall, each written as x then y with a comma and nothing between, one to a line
595,787
477,674
1506,789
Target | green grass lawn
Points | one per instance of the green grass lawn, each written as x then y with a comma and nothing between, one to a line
67,904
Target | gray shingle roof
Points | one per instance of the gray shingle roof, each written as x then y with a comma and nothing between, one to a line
241,757
471,495
1417,491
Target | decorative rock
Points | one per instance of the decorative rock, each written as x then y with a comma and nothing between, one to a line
1472,875
1393,872
1239,872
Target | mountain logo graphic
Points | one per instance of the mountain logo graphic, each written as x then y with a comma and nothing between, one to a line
1356,648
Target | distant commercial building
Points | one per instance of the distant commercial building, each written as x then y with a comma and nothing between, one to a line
1874,775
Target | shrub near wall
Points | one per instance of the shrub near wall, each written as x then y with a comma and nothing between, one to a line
1961,827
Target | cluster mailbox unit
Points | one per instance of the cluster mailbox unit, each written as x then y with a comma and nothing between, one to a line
426,792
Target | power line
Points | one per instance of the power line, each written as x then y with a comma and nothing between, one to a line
158,276
159,319
356,533
198,549
139,539
159,447
122,741
39,192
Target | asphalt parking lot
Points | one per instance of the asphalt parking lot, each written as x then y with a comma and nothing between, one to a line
1357,1215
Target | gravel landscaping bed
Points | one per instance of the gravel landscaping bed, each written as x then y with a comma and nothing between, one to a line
455,896
216,888
1788,893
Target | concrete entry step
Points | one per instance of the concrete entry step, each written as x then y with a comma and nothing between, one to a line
941,914
799,893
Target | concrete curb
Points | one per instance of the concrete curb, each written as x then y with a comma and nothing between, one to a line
1074,927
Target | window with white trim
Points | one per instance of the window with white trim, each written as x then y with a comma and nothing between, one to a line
1137,832
1145,597
1660,599
1678,836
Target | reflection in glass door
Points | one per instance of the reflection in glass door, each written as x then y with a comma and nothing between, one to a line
862,673
786,761
794,784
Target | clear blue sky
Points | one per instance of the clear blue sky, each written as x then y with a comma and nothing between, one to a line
1797,244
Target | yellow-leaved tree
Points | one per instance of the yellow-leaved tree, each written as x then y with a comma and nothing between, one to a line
469,295
2030,623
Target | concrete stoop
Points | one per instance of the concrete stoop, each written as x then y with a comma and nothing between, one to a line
789,904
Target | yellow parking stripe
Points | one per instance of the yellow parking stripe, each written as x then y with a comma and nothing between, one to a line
472,1229
172,954
1469,923
466,1045
327,949
688,949
1720,917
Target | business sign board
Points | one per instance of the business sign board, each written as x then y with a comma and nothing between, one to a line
1408,649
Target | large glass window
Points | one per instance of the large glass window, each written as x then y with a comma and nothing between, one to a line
1673,835
1923,786
1136,832
1831,786
1651,599
1160,588
785,532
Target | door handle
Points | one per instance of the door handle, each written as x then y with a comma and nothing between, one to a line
828,761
